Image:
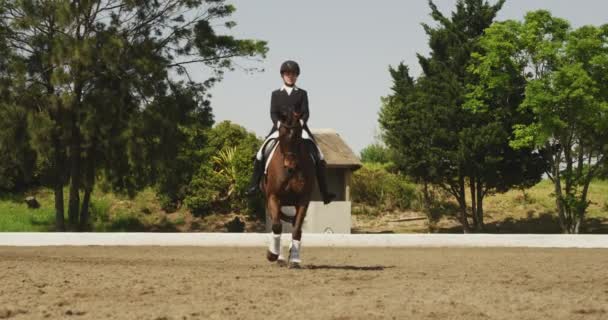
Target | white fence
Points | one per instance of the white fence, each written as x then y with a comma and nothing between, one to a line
309,240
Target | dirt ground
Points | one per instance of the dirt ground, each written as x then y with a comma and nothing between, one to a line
337,283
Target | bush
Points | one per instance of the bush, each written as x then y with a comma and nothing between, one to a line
220,183
207,190
375,153
373,185
401,192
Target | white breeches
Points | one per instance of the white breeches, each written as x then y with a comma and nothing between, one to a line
275,135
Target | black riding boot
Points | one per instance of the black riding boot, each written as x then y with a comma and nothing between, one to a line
258,171
322,181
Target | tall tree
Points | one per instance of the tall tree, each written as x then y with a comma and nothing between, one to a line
436,137
566,94
98,73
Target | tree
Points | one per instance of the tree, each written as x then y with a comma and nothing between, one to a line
566,93
97,74
436,137
565,74
17,160
376,153
412,129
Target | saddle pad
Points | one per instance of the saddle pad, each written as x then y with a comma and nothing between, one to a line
269,157
268,146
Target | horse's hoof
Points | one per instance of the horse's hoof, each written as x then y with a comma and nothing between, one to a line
294,265
271,256
282,263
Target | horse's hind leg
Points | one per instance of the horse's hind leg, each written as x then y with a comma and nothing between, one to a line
296,237
274,247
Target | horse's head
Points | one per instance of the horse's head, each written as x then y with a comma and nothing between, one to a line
290,138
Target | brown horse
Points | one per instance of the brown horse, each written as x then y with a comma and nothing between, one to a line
289,182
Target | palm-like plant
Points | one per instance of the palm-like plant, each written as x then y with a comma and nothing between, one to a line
225,165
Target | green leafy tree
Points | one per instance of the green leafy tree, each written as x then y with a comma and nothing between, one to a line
436,138
182,119
17,159
565,92
107,90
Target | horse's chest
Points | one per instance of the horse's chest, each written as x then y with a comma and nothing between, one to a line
297,184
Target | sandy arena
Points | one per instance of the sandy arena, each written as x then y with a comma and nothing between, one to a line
335,283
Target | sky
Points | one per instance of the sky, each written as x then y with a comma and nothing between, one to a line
344,49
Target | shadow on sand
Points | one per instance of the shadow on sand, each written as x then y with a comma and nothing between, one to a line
348,268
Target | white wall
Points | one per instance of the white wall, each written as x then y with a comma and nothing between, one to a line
332,218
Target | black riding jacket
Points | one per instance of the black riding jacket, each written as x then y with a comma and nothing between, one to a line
280,102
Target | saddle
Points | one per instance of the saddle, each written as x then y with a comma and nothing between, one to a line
269,148
267,152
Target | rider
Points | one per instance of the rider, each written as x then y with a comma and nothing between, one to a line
291,96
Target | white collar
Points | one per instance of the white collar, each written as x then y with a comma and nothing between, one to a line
289,89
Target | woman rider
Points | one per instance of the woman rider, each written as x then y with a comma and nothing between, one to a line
290,96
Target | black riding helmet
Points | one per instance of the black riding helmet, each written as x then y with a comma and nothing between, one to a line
290,65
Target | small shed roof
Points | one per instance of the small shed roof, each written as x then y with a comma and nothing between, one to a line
337,153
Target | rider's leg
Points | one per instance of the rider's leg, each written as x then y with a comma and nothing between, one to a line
322,180
258,165
320,168
258,171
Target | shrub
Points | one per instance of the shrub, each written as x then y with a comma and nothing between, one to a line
220,183
373,185
376,153
207,190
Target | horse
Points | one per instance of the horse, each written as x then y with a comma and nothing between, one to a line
289,181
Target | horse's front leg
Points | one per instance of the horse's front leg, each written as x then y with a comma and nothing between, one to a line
296,237
273,204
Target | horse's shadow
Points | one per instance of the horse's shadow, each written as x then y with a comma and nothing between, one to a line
345,267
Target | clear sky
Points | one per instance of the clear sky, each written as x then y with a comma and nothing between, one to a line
344,48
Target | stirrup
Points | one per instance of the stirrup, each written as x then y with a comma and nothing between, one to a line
251,191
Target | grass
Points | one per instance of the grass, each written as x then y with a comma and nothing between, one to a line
509,212
536,211
141,213
15,216
110,212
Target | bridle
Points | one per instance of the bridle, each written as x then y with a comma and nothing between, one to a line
290,154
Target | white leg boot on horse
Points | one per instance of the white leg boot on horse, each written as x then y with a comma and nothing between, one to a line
274,248
282,260
296,237
294,254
